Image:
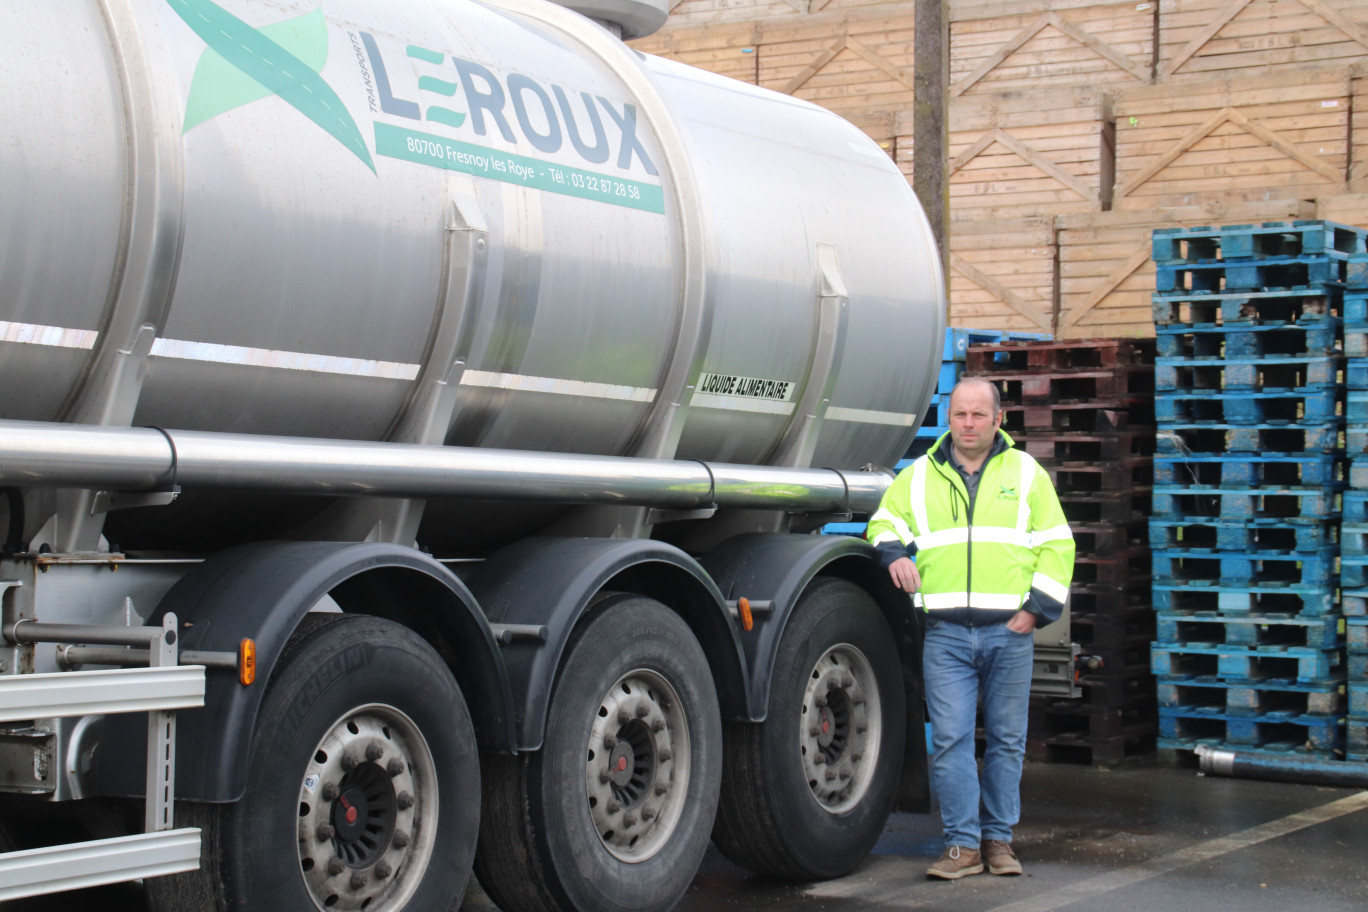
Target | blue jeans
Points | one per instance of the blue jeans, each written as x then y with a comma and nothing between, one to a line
960,665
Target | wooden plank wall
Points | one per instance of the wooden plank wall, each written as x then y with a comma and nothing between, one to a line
1026,153
1079,126
1106,276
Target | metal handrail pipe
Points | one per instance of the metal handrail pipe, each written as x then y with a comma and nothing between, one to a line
28,631
144,459
71,657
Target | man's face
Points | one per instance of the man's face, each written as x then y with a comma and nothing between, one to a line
973,423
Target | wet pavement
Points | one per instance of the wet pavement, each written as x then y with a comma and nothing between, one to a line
1138,839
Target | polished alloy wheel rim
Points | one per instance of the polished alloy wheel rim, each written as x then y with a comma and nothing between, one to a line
367,812
637,766
840,728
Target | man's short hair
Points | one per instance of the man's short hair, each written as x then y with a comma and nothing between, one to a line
997,395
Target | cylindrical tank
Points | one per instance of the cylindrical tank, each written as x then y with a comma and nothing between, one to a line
478,223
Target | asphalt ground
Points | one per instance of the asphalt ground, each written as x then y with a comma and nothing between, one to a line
1138,839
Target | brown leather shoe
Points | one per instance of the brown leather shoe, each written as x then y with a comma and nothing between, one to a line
956,862
1000,857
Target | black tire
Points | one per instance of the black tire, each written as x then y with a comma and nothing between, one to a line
367,706
598,819
779,813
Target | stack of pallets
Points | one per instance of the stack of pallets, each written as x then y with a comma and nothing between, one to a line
1248,480
1085,410
1354,532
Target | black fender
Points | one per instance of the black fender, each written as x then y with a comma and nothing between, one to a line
551,581
777,568
262,591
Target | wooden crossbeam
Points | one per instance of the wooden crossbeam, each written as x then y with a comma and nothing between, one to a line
1110,284
1201,38
812,69
1254,128
1000,291
882,63
1234,8
998,135
1069,29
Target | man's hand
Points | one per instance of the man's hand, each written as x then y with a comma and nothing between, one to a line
1021,622
905,575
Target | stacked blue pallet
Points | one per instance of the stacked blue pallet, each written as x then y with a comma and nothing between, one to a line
1249,474
936,423
1354,532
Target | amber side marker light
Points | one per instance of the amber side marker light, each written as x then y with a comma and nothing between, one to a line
246,662
747,619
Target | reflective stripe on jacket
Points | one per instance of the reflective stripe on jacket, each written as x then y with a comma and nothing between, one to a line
1017,552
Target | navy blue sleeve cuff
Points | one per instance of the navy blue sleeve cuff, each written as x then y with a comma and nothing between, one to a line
890,551
1046,609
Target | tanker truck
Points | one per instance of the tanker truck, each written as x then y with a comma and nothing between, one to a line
416,420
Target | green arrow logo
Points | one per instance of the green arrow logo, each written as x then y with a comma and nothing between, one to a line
244,64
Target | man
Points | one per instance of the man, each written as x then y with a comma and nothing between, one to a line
994,558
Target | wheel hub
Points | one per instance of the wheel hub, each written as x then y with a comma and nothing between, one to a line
367,812
637,770
840,728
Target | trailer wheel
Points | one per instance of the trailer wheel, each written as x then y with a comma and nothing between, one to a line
806,794
362,788
614,811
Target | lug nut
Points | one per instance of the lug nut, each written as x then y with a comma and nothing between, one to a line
358,881
629,819
331,791
661,788
648,813
821,701
830,774
336,866
400,840
658,725
819,759
395,767
847,681
326,832
374,752
857,756
624,717
609,742
833,684
814,731
642,711
383,870
614,807
603,778
404,800
861,729
350,761
665,755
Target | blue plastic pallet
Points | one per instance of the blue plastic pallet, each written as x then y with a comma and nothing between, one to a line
1288,504
957,341
1303,237
1210,628
1357,663
1224,439
1251,698
1255,535
1358,472
1307,600
1280,306
1235,664
1252,275
1354,602
1356,735
1282,372
1314,732
1314,406
1355,507
1245,469
1356,373
1356,634
1355,305
1356,340
1235,340
1358,699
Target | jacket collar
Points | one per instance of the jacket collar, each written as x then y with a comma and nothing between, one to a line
940,451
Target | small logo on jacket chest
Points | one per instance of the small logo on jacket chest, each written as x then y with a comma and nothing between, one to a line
1007,493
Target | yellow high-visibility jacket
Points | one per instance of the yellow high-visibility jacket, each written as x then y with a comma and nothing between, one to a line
979,563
